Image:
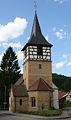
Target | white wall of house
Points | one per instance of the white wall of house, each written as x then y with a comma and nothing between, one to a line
68,98
55,97
11,101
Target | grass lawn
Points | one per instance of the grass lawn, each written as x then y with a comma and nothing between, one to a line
45,112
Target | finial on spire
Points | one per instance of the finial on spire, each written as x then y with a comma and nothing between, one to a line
35,6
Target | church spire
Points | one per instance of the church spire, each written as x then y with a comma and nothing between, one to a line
37,37
36,31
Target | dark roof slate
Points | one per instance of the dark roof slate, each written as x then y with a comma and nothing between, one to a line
36,36
36,31
40,85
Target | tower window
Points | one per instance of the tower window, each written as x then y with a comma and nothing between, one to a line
20,102
39,50
40,66
33,101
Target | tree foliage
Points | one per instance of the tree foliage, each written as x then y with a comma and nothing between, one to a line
9,73
9,67
62,82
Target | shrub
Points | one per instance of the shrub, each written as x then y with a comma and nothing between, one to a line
45,112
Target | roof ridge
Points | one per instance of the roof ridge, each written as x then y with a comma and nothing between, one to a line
40,84
47,84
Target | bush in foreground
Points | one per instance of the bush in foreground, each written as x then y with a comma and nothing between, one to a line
45,112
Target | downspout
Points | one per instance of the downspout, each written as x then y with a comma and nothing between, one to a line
15,104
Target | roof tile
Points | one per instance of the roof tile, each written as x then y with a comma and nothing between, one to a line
19,91
20,81
40,85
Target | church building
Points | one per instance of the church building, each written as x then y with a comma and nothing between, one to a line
34,90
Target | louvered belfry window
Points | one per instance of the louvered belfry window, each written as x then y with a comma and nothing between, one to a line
39,50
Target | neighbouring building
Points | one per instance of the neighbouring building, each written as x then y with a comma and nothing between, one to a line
64,97
34,90
68,98
55,97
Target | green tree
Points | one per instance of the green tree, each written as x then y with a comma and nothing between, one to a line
62,82
9,67
67,85
9,70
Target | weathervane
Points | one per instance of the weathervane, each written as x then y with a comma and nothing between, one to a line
35,6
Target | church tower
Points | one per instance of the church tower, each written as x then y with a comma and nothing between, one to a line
37,72
37,57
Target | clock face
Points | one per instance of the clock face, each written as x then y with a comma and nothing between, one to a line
37,53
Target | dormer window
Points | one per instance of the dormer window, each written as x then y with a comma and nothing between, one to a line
39,50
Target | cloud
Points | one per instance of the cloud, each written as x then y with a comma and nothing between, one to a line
12,29
69,64
1,55
60,64
66,60
12,44
16,46
64,56
59,1
59,33
19,55
67,56
21,70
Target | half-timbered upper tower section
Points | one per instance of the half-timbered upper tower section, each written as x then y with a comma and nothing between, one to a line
37,48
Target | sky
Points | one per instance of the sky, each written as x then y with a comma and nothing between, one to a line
16,20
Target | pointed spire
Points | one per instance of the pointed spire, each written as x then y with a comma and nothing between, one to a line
36,37
36,31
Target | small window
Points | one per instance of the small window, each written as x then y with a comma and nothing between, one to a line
20,102
39,50
33,101
40,66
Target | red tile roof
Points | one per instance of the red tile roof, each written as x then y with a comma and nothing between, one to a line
19,90
62,94
20,81
40,85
